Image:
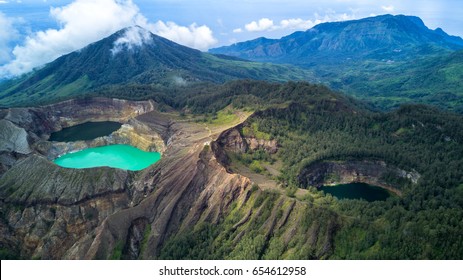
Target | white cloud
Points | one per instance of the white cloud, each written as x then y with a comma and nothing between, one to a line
261,25
82,22
85,21
8,33
133,37
296,24
3,2
199,37
388,9
266,24
332,16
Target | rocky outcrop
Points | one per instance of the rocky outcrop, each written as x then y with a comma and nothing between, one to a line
138,134
135,238
366,171
271,146
233,141
13,138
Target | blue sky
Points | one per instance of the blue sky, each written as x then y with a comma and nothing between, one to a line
36,32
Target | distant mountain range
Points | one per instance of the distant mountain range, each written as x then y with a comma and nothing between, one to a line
382,37
134,56
387,60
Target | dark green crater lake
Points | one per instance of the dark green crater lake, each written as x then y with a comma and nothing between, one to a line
115,156
85,131
357,191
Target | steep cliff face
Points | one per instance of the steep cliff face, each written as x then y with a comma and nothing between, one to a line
271,146
14,144
13,138
25,130
233,141
51,212
367,171
43,120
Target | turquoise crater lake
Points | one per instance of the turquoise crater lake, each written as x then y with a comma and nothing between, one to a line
115,156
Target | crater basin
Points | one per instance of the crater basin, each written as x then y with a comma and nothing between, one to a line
116,156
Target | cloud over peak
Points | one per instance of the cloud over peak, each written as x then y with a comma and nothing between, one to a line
85,21
82,22
134,36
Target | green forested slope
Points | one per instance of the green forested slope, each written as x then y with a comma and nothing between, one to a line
386,60
316,124
158,63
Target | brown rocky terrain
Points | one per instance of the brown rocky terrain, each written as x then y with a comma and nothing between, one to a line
50,212
55,213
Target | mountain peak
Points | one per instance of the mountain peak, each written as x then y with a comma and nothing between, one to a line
131,37
133,55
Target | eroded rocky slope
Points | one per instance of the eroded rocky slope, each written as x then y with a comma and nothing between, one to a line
190,204
53,212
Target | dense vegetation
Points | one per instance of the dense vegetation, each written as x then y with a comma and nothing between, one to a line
435,80
407,63
426,221
312,123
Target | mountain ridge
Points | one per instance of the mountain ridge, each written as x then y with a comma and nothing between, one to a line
386,60
386,36
134,55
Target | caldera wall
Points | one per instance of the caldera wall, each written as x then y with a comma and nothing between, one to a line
28,129
52,212
44,120
371,172
134,133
